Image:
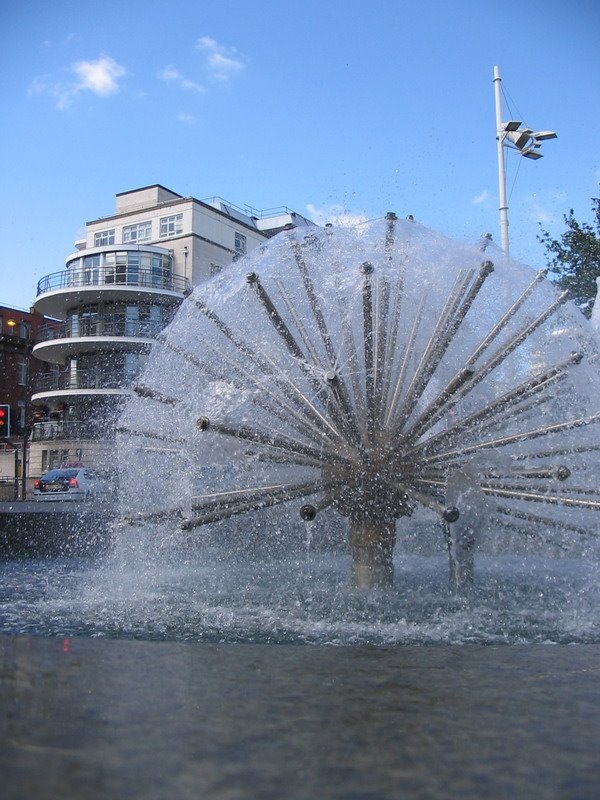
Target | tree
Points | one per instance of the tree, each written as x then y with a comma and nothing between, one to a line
575,257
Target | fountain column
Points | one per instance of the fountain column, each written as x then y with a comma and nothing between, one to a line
461,545
463,490
372,543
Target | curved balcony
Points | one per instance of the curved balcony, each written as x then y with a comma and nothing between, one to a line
57,340
59,291
84,382
71,430
100,325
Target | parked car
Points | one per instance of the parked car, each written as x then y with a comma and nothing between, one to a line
70,483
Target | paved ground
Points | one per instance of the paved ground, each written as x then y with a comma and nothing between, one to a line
93,718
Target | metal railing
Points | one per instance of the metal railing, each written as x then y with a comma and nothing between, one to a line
102,276
83,379
100,325
249,211
72,429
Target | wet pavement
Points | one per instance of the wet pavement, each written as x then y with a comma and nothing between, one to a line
98,718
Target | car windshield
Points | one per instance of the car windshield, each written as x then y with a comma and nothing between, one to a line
58,474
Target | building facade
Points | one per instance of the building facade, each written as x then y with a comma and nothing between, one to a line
120,287
18,371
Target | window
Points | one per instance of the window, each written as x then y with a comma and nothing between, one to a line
21,413
142,232
121,267
109,267
171,226
91,270
131,366
132,320
22,371
24,330
73,324
104,237
73,382
87,323
73,272
161,272
133,268
240,243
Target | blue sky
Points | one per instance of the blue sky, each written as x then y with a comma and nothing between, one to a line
327,106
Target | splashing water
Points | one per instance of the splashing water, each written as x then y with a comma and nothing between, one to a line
382,371
210,598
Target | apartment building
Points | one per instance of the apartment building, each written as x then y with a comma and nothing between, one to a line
120,287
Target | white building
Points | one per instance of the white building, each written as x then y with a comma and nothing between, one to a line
119,289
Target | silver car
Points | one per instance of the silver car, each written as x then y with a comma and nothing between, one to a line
70,483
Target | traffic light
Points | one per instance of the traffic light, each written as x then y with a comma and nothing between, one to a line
4,421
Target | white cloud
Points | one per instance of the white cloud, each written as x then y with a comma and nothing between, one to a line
541,214
481,198
49,43
39,85
171,74
62,93
222,62
185,117
99,77
337,214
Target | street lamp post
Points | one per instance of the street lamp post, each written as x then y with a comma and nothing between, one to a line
503,207
25,433
512,135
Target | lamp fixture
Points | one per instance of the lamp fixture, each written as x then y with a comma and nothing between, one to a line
532,154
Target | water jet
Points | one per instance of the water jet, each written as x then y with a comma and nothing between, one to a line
383,372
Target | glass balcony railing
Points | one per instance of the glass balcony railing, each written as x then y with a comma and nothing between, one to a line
146,279
97,378
73,429
100,325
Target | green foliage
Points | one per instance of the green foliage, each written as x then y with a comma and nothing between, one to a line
575,257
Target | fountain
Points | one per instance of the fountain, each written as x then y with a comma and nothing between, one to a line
383,372
387,386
